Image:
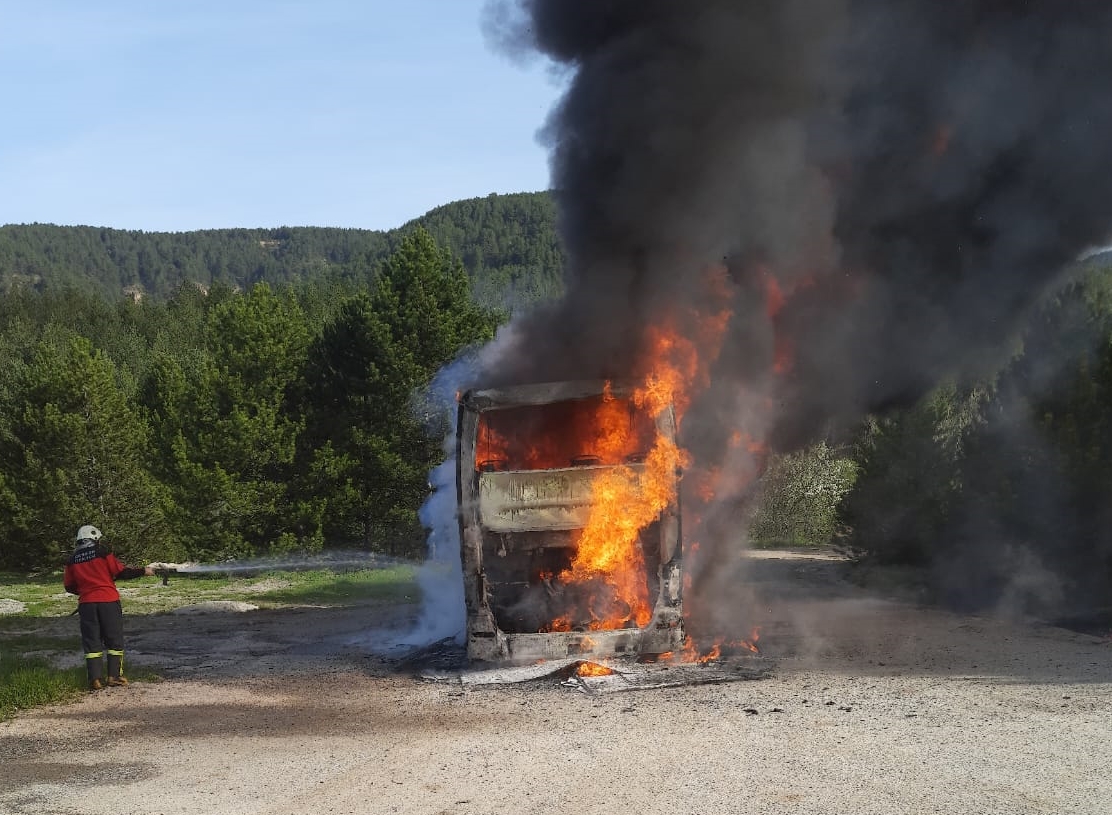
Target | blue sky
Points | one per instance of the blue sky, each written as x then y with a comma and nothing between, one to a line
177,115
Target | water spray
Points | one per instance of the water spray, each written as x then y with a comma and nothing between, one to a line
334,561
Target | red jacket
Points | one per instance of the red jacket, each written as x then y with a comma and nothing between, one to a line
92,571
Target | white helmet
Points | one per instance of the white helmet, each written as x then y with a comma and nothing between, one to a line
88,532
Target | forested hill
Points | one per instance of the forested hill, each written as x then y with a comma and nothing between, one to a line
507,243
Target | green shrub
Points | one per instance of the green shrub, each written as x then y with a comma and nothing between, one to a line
798,498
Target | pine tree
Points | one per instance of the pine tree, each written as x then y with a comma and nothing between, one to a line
227,426
73,451
380,351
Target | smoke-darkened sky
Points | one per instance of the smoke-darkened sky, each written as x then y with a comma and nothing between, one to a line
907,175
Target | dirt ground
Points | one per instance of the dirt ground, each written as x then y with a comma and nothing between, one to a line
870,705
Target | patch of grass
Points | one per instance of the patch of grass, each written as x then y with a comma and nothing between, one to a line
42,594
324,588
27,682
44,597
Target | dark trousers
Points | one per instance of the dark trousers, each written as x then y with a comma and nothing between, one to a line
102,630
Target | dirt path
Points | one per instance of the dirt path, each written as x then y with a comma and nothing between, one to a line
872,706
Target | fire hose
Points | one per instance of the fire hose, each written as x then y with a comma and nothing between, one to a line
164,570
165,575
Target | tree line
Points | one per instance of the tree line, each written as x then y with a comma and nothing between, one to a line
507,244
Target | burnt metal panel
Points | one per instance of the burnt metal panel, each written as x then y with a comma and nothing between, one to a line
539,500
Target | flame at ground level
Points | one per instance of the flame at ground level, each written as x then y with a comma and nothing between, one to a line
592,669
694,653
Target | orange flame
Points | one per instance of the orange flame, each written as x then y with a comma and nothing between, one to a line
602,430
714,653
640,480
624,499
559,624
754,637
693,654
624,502
592,669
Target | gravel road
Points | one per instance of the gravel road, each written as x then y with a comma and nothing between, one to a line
870,705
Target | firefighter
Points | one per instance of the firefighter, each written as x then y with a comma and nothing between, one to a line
91,573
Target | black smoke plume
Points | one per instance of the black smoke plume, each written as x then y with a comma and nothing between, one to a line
908,176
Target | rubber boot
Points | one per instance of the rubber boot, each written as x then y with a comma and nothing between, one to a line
116,669
94,668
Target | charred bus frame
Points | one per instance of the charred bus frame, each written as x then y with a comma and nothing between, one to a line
518,523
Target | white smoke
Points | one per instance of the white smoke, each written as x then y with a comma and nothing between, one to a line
441,575
443,613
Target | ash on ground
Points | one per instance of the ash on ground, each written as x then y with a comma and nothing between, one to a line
446,661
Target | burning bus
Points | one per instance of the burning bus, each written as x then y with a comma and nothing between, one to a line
569,521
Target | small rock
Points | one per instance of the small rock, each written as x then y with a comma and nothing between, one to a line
9,606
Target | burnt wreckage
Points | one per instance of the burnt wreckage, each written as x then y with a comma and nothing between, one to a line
525,487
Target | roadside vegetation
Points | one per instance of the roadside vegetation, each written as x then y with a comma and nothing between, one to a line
40,648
